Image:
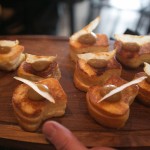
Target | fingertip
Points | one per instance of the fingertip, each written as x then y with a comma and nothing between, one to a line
48,129
60,136
46,126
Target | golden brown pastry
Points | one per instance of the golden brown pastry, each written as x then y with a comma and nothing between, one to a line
86,41
144,86
11,55
114,111
31,109
94,69
36,68
132,50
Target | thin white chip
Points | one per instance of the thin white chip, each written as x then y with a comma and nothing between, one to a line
44,94
34,58
100,55
122,88
8,43
87,29
147,68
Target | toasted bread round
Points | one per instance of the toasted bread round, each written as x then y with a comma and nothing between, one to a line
113,114
31,113
101,45
26,71
132,51
86,76
11,60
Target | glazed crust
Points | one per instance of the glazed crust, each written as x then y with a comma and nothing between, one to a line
101,45
86,76
111,114
31,113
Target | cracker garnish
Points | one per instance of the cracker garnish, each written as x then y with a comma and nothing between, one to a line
35,87
122,87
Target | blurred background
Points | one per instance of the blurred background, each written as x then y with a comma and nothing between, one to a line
64,17
117,16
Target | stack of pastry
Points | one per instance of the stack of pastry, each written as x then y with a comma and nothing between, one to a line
86,41
36,68
132,51
11,55
95,68
31,108
114,111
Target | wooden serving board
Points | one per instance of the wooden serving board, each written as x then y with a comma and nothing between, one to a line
135,134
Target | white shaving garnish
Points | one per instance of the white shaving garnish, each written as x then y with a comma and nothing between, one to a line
126,38
122,88
8,43
87,29
100,55
147,68
44,94
34,58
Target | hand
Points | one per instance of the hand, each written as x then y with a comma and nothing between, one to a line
63,139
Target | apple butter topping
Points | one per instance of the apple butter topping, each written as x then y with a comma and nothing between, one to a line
4,50
97,63
32,94
106,89
44,73
89,38
131,47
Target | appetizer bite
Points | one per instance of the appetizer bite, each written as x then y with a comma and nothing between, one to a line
111,110
36,68
132,51
34,102
11,54
95,68
144,86
86,41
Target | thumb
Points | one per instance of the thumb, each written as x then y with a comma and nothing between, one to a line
61,137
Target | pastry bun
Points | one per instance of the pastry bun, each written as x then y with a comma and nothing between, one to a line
86,75
11,55
31,113
111,113
101,45
132,51
86,41
42,67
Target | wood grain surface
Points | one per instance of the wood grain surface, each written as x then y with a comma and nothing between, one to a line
135,134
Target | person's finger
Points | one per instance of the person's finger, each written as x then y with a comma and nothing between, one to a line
61,137
102,148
